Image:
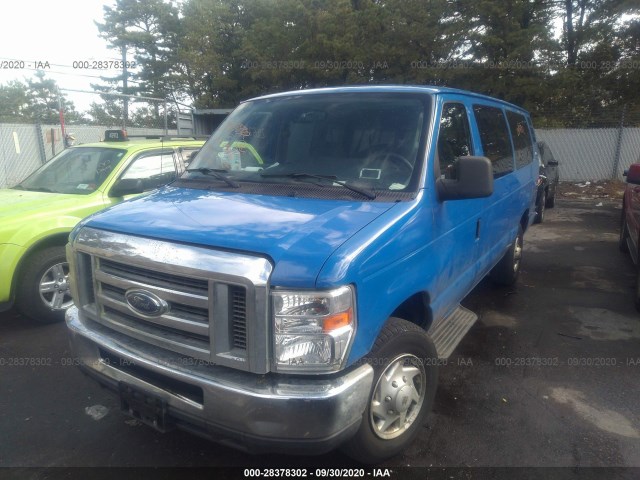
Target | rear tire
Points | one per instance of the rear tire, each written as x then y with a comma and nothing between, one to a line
508,268
405,364
43,287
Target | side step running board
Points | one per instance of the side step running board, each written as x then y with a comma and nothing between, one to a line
449,331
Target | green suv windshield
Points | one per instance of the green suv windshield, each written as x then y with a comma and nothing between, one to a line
79,170
370,142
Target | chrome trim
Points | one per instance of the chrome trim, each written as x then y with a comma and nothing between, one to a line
166,320
188,258
194,282
273,407
199,301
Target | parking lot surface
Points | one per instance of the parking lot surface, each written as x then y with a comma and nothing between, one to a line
548,376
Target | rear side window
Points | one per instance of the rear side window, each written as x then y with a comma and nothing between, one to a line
521,137
494,136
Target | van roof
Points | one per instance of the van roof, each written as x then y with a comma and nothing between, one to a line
421,89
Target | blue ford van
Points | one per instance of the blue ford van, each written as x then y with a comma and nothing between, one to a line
295,290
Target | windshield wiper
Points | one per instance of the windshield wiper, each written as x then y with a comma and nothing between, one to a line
366,193
216,173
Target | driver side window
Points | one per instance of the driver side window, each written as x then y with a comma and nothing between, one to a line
454,137
155,169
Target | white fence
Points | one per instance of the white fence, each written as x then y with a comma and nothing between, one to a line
24,147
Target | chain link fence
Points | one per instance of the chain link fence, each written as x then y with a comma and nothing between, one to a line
592,154
591,142
25,147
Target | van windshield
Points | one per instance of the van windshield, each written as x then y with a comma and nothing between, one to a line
77,170
370,141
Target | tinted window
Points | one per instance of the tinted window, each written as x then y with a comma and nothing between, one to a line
521,137
454,137
494,136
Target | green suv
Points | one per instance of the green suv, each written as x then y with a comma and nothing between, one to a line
37,215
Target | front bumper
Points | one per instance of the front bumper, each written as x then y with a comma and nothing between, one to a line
256,413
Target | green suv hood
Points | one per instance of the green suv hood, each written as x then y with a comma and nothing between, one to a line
24,212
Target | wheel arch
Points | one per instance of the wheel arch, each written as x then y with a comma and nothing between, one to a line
58,239
524,220
416,309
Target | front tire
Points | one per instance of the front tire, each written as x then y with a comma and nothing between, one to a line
405,364
540,208
43,287
508,268
551,201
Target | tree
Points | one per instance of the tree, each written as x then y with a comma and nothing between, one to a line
150,29
37,100
210,50
589,84
109,113
219,52
506,48
14,100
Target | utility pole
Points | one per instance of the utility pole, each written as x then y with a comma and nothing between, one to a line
166,123
62,129
125,74
616,158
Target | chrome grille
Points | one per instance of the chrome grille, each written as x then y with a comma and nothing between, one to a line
184,328
213,303
160,279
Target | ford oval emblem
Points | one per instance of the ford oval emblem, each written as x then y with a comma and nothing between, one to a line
145,303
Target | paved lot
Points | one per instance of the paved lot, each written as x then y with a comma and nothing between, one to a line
547,377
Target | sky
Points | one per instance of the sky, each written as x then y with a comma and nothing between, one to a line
59,33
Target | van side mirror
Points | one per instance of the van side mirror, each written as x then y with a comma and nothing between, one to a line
633,174
126,186
552,163
474,179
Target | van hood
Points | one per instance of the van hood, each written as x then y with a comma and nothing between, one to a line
297,234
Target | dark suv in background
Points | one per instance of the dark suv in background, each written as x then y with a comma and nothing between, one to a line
547,181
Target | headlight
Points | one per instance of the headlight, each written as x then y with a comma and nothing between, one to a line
312,329
76,230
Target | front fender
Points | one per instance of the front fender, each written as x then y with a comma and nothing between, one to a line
26,240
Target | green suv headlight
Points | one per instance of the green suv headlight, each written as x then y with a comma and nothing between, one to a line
313,329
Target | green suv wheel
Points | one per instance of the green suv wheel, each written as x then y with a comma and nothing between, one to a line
43,289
